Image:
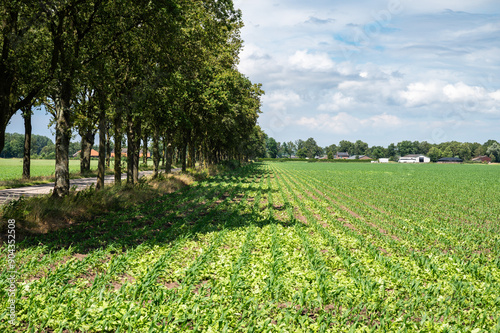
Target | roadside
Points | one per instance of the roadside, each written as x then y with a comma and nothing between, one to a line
79,183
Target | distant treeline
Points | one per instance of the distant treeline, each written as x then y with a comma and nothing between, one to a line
41,146
309,148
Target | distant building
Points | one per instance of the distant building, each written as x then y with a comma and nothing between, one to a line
125,151
482,158
93,153
383,160
450,160
359,157
414,158
341,155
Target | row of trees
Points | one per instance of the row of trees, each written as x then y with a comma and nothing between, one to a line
309,148
160,71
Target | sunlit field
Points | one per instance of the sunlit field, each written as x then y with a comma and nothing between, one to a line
278,247
12,168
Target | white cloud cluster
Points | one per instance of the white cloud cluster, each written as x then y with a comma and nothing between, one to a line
303,60
474,98
344,123
414,65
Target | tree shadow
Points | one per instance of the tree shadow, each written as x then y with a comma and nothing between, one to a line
221,202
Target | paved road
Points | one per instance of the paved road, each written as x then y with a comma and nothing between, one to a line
29,191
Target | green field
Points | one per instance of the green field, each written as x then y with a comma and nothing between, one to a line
12,168
278,247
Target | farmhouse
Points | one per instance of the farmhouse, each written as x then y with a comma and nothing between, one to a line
125,151
414,158
93,153
450,160
482,158
359,157
341,155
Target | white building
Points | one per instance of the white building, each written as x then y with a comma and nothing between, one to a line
414,158
383,160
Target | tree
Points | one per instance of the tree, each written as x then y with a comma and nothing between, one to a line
494,150
271,148
302,152
405,148
26,63
331,150
448,152
312,148
464,152
360,148
377,152
434,154
346,146
391,150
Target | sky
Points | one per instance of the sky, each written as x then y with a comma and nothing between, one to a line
377,71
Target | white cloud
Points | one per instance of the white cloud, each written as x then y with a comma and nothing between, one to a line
495,95
303,60
282,99
336,102
344,123
460,92
422,93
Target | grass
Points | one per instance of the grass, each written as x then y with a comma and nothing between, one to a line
42,171
276,247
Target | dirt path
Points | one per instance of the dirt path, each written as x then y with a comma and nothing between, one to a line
29,191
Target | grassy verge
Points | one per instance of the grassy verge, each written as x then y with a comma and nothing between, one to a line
42,171
44,214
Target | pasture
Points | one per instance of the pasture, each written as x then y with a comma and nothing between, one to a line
12,168
278,247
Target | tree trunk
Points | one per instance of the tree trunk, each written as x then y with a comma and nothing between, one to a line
63,135
156,152
118,150
145,150
192,157
130,150
169,154
108,148
164,151
27,143
183,156
87,142
136,151
102,147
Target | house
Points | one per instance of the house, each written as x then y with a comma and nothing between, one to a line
93,153
383,160
342,155
482,158
125,150
141,154
450,160
414,158
359,157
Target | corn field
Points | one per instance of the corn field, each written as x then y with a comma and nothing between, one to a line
278,247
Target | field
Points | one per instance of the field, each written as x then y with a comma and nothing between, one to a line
12,168
278,247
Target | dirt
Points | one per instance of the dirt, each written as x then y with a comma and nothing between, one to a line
172,285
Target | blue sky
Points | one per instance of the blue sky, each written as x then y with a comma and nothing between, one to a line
378,71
